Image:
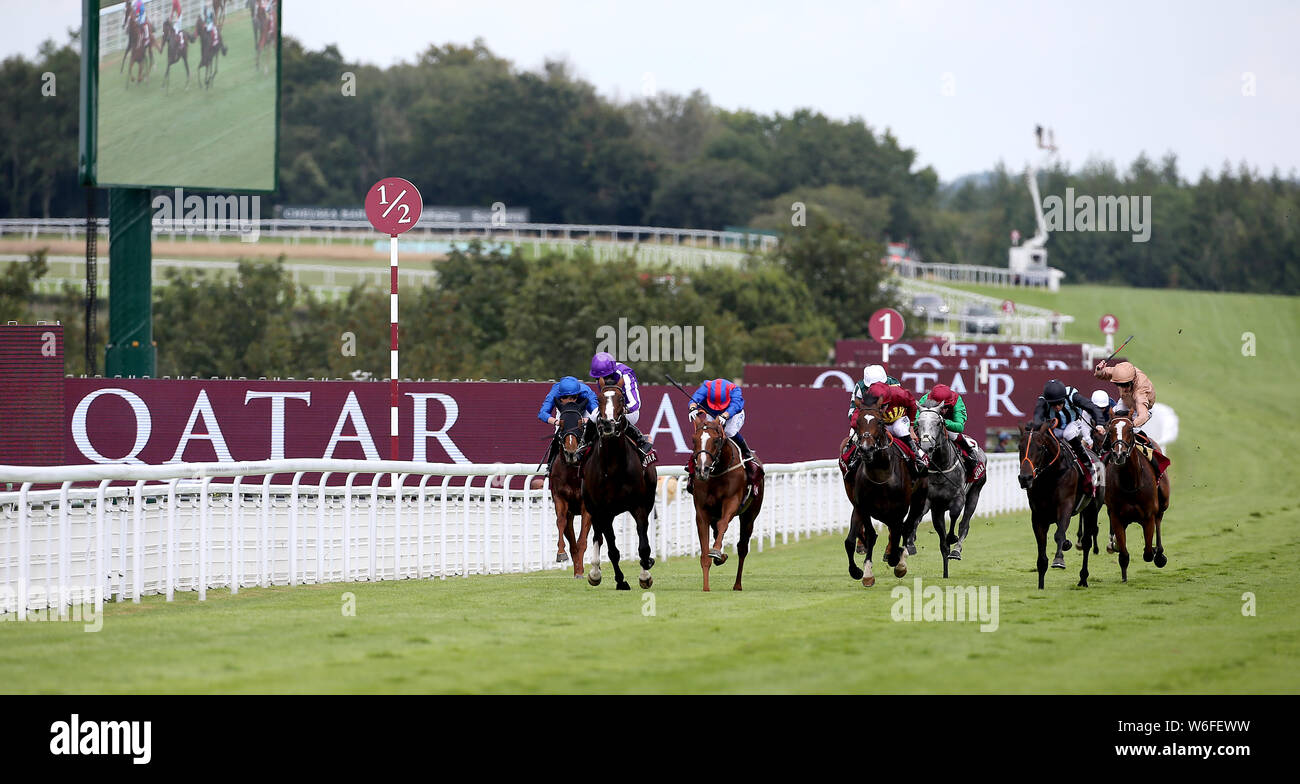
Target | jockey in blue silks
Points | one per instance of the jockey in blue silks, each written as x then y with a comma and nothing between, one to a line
567,389
610,373
721,399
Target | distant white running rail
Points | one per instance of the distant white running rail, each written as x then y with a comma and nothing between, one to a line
136,530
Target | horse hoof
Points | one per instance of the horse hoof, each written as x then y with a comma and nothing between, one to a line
719,557
911,549
561,557
1065,546
867,582
623,586
736,587
646,582
594,578
1161,560
955,555
1110,549
1083,583
579,576
1058,563
1148,557
855,573
900,570
862,549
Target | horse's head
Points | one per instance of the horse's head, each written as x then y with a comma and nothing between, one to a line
573,431
930,426
1121,437
707,445
869,431
1039,448
609,412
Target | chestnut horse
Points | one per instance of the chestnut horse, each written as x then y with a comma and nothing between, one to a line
613,482
263,28
566,481
139,47
1050,477
177,45
1133,494
208,49
880,485
720,490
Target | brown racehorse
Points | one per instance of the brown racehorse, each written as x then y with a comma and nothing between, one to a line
880,485
263,28
219,11
566,482
178,50
209,49
1133,494
139,47
1050,477
719,492
613,482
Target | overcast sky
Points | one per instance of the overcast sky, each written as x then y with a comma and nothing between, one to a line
962,83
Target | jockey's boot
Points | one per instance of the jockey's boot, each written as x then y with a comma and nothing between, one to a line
974,470
643,445
550,457
690,477
1085,465
846,459
920,459
746,454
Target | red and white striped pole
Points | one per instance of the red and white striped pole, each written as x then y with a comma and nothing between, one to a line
392,325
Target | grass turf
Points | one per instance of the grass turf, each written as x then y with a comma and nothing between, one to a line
802,625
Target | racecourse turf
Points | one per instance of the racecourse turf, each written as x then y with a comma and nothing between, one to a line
802,625
222,137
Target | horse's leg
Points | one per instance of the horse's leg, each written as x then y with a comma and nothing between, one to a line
598,537
967,512
742,544
936,517
1088,523
608,527
1040,535
579,546
563,519
1062,533
1121,544
1160,558
1148,533
729,508
702,529
850,546
642,517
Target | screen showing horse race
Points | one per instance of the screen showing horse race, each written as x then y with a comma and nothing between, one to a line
187,94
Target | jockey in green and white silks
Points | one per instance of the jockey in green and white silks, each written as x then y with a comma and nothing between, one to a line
862,390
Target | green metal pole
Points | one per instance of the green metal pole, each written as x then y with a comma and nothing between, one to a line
130,285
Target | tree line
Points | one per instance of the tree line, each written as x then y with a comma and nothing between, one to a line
471,128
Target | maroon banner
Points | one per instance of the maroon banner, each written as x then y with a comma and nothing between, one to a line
31,394
157,421
868,352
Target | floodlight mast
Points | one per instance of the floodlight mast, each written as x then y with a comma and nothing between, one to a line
1031,178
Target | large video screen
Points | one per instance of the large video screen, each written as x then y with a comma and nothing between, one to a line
188,94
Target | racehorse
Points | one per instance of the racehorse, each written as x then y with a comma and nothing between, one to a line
178,49
1050,477
613,482
566,482
209,46
219,11
721,493
263,27
948,489
1133,494
139,47
880,486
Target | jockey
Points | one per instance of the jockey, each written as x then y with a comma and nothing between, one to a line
1136,397
953,410
567,389
139,12
898,408
861,391
1068,407
722,400
176,17
615,374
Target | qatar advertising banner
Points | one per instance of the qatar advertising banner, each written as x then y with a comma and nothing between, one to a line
31,394
156,421
867,352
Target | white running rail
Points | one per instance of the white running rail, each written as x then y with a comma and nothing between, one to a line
78,534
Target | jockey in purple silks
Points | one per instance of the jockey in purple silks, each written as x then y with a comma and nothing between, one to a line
610,373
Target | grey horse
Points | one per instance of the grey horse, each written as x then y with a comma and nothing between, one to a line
948,489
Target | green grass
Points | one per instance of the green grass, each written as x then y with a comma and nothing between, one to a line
222,138
802,625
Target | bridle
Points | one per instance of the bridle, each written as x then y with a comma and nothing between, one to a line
956,462
715,455
579,428
1035,472
610,426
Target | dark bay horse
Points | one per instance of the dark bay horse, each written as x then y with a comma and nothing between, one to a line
880,485
947,488
1133,494
263,28
613,482
1050,477
178,50
566,482
209,46
720,490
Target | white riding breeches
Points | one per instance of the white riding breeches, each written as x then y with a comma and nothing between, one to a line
632,417
735,423
902,427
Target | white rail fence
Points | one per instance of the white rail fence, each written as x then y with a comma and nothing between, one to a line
196,527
